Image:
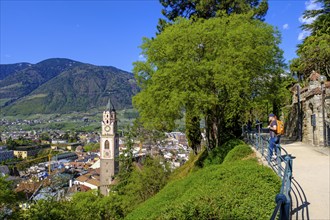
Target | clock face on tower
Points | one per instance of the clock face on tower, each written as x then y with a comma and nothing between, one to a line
106,154
107,128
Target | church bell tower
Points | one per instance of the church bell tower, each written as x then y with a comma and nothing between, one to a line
109,149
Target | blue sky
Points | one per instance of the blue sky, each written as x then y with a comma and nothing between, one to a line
107,32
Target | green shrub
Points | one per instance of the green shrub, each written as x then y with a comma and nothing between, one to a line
217,155
239,152
241,189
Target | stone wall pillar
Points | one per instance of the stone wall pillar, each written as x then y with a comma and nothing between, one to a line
319,121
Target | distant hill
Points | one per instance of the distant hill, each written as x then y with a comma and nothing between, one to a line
8,69
62,86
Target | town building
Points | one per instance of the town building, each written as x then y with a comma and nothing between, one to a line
65,156
4,170
72,146
25,151
90,179
59,141
5,154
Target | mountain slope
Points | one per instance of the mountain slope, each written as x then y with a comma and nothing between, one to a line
21,83
62,86
7,69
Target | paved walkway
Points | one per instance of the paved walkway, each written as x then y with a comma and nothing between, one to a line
311,183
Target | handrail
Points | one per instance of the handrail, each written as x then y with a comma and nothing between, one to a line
283,200
280,200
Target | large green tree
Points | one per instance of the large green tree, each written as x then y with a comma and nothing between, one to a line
314,52
193,9
209,69
321,16
208,9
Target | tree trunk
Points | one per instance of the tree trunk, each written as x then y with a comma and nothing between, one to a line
276,108
213,127
193,132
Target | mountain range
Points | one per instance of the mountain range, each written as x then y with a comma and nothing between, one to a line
60,85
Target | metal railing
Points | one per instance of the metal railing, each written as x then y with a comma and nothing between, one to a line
282,166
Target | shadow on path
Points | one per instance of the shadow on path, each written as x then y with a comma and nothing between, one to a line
285,140
299,202
310,182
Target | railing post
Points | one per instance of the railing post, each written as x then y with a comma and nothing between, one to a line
262,150
290,161
278,159
285,211
252,141
269,157
256,140
281,202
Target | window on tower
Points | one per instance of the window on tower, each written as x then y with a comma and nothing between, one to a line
106,144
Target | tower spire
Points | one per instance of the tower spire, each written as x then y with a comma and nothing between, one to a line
110,106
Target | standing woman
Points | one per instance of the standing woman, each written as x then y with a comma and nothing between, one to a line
272,133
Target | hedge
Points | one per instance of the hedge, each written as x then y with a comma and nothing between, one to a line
236,189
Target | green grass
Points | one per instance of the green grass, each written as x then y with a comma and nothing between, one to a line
239,188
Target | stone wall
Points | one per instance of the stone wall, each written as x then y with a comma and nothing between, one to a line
311,104
291,121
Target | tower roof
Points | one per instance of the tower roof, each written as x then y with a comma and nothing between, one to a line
110,106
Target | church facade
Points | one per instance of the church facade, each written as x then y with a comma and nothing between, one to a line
109,149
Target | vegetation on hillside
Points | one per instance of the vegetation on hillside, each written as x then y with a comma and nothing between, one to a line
6,70
20,83
233,190
63,86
